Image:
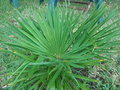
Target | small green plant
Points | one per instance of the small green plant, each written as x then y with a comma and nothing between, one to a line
55,48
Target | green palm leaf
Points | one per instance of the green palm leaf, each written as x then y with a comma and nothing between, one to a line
55,46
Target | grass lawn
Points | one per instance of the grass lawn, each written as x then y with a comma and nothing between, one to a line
107,73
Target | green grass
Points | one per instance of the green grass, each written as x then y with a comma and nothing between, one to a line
108,73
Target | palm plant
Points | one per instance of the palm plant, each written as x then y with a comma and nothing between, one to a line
55,48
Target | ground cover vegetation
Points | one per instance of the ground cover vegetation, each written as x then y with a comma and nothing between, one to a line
59,51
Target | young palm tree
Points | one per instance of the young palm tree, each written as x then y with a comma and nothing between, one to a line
55,48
